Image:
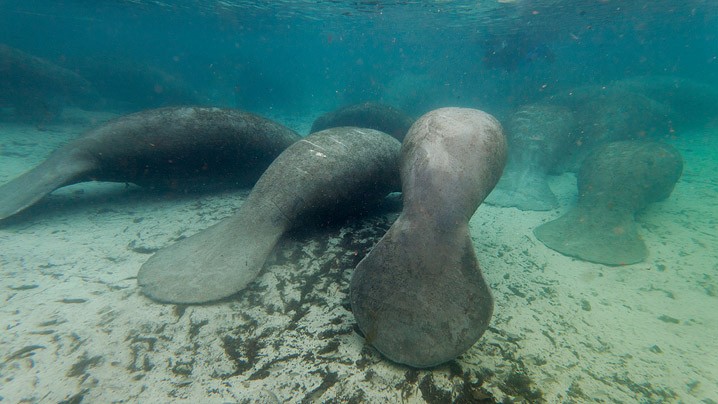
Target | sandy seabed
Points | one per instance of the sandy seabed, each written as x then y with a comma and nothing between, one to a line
74,326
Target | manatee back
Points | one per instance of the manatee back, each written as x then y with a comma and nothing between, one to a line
451,159
184,147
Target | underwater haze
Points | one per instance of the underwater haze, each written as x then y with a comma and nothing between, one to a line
599,243
305,55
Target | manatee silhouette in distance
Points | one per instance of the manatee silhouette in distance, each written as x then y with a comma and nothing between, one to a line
538,135
336,171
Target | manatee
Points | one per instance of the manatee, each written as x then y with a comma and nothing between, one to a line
333,172
367,115
181,148
419,296
37,88
615,181
538,135
609,114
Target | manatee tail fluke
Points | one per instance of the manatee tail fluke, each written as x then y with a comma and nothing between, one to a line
525,189
212,264
605,237
419,295
30,187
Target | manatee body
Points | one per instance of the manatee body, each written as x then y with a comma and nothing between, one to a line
539,135
182,148
607,114
367,115
331,172
419,296
37,88
615,181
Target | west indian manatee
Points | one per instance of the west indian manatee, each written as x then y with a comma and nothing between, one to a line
539,136
333,172
36,88
419,296
370,115
607,114
180,148
615,181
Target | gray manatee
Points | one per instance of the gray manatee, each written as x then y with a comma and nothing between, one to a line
419,296
331,172
181,148
539,135
615,181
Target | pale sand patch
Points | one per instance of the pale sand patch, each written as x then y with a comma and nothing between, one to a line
74,324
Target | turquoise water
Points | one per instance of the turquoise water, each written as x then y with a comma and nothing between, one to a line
75,326
300,56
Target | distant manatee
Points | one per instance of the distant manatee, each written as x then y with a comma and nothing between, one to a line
616,180
539,136
135,85
606,114
367,115
36,88
180,148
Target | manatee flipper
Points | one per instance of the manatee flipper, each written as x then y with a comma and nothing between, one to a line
598,235
335,171
419,295
525,189
30,187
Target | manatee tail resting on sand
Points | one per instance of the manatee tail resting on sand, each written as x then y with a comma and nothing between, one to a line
419,296
334,171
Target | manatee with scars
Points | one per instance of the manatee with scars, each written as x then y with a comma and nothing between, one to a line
181,148
538,136
419,296
615,181
333,172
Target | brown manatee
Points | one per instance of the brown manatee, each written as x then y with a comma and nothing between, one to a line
615,181
367,115
181,148
419,296
332,172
